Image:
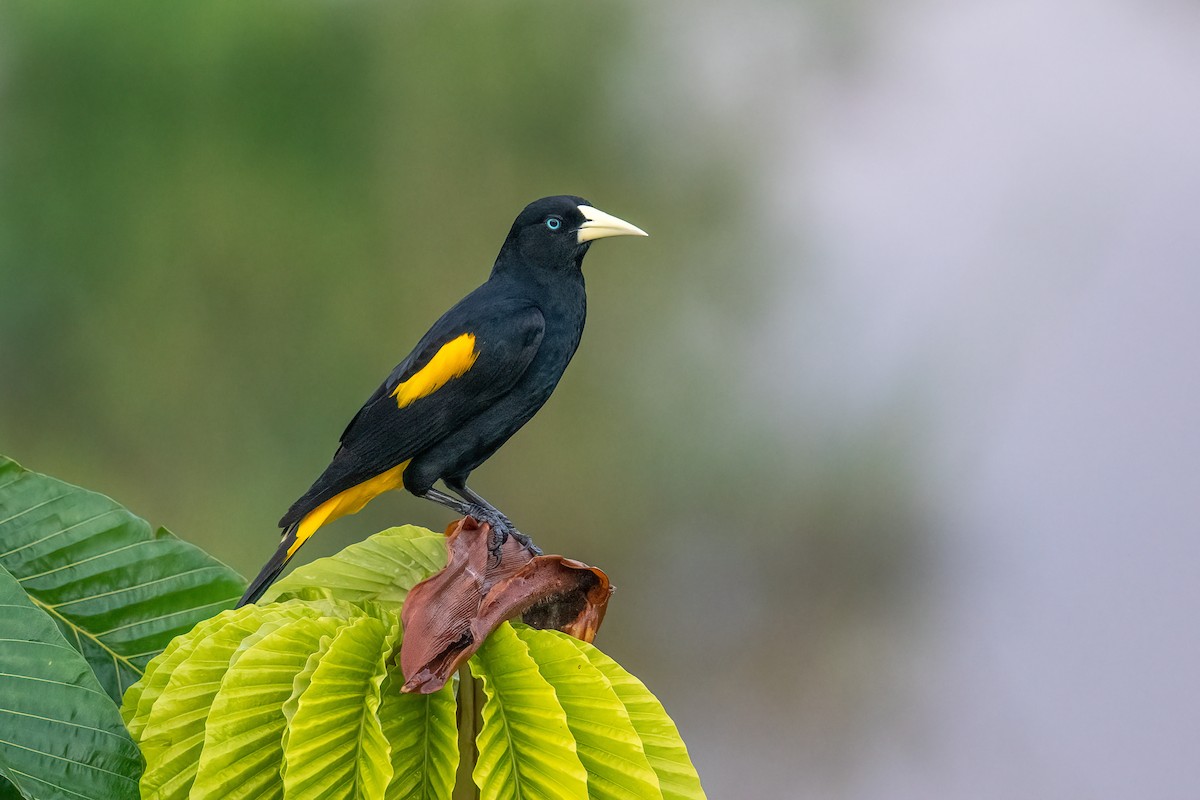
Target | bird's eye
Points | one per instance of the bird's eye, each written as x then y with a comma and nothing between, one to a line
554,223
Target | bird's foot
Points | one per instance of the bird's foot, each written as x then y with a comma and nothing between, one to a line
502,528
525,542
498,537
496,545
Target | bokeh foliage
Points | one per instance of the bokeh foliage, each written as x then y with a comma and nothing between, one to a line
222,224
265,204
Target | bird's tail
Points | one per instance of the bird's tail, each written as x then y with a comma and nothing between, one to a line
271,571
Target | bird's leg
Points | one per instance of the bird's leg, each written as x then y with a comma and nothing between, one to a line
468,494
460,488
452,503
483,513
501,527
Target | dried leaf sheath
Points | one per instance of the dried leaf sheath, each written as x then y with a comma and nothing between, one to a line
448,615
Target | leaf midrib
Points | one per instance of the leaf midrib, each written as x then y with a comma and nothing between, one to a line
512,753
77,630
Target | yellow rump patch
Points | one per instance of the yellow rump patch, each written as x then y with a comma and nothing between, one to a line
451,361
351,501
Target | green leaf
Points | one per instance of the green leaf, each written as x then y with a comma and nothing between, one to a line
300,684
300,698
211,712
382,567
140,699
334,744
664,748
118,590
60,733
243,744
608,745
526,749
424,744
174,731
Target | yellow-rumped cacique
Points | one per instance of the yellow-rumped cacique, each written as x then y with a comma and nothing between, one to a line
479,374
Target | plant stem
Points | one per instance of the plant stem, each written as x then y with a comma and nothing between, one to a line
470,722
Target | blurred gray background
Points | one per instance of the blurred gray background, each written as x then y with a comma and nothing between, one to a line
888,435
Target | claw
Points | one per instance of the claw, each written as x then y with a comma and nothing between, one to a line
495,545
526,542
502,528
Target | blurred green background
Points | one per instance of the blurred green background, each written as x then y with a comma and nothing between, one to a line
222,224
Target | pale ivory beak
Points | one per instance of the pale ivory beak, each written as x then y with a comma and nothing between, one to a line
600,225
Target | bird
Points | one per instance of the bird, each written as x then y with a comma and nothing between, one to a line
476,377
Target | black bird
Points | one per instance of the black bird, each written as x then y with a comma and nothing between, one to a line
472,381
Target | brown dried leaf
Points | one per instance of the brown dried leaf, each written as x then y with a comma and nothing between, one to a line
448,615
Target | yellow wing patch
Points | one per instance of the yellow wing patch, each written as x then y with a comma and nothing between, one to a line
350,501
451,361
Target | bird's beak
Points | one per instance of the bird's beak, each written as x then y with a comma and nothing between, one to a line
600,225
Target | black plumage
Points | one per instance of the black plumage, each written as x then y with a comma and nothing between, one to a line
479,374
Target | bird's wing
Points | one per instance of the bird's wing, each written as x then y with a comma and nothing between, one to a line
468,359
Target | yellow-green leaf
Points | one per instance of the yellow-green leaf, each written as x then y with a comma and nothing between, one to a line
382,567
526,749
420,729
335,746
664,748
174,730
243,742
608,745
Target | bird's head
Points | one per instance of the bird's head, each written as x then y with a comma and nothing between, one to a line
555,232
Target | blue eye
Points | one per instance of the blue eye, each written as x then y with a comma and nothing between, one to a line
554,223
